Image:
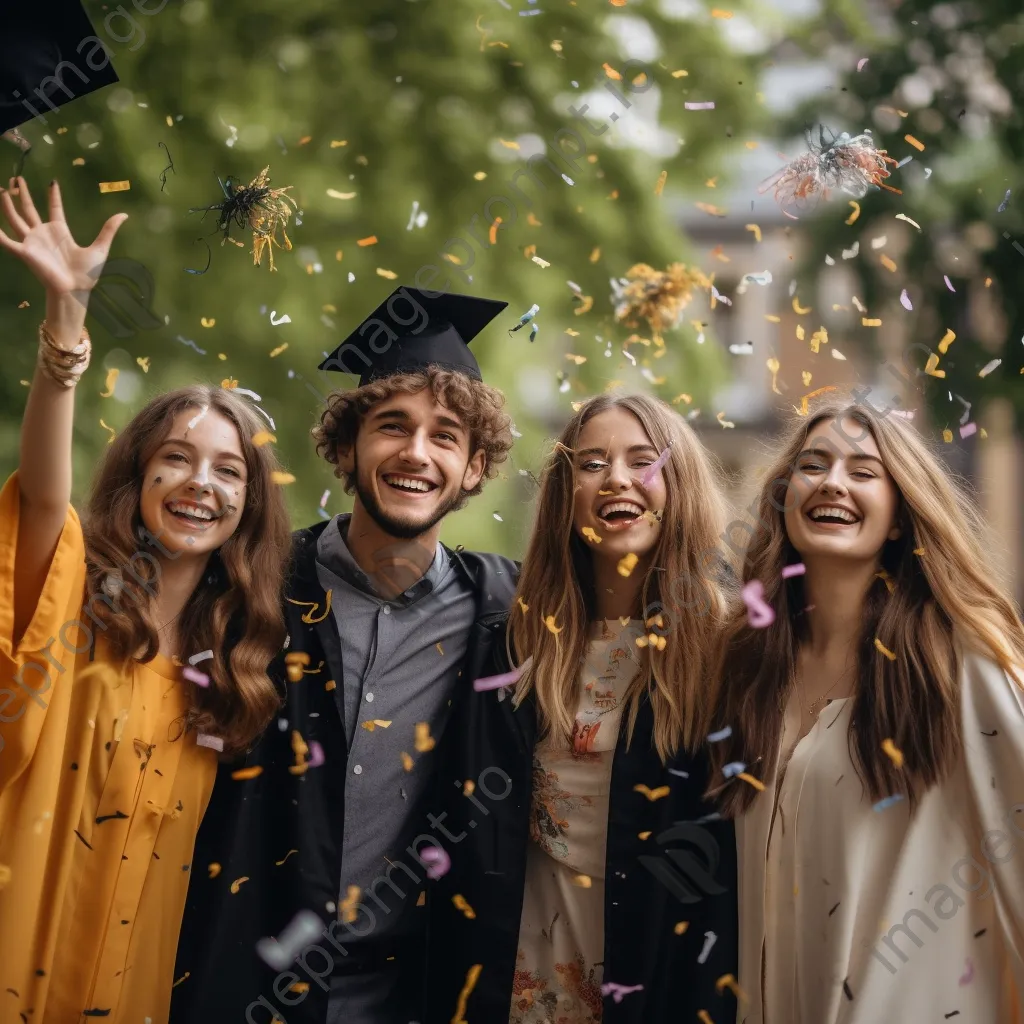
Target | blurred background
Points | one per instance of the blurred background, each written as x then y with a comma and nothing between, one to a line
406,128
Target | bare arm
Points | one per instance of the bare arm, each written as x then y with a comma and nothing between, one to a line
68,273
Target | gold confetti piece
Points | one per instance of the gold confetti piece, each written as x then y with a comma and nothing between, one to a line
772,319
680,73
349,909
893,752
285,857
652,794
492,235
988,282
578,360
469,787
388,275
23,305
509,145
242,774
338,255
755,229
931,366
756,783
207,321
641,641
644,835
917,144
591,534
704,1017
459,902
595,255
866,321
660,185
229,383
773,369
377,723
797,308
799,332
424,742
407,761
887,263
471,976
856,212
614,194
751,145
716,13
280,477
237,883
113,433
802,411
882,649
181,979
688,399
274,353
369,240
452,258
480,175
727,424
143,361
335,194
947,339
681,926
115,186
611,72
714,211
627,563
583,881
112,376
552,628
299,986
330,685
918,551
947,436
214,869
305,139
729,982
541,263
440,649
335,143
79,161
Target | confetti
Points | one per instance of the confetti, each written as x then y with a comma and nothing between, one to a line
722,734
660,184
471,978
214,869
238,882
916,143
505,679
280,477
1005,202
968,429
755,229
796,569
349,909
627,564
377,723
424,742
949,284
968,976
334,194
947,339
369,240
759,614
709,940
407,761
989,367
856,212
905,300
680,927
947,436
590,534
388,275
285,857
903,216
882,649
756,783
893,752
437,860
862,62
583,881
113,433
213,742
710,105
887,802
888,264
242,774
870,321
652,794
115,186
654,469
460,903
720,416
611,988
193,675
733,768
611,72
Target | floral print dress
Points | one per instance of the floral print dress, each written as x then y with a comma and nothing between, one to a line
561,934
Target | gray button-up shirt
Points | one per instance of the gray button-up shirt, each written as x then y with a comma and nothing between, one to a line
400,659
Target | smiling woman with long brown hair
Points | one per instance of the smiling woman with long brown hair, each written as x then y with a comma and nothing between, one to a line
108,743
881,713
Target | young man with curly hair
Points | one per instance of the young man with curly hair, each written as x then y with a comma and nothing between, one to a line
307,906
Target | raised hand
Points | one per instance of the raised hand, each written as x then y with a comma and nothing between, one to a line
47,248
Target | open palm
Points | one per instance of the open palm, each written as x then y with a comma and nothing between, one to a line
47,248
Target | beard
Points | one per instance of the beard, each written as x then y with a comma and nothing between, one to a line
402,529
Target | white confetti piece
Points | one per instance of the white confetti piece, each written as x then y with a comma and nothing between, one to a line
905,300
989,367
302,930
709,940
201,656
213,742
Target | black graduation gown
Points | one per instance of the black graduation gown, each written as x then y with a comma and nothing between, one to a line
276,839
684,871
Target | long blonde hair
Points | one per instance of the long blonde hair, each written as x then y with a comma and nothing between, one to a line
944,587
686,584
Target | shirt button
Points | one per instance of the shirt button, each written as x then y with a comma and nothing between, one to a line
358,770
369,698
387,609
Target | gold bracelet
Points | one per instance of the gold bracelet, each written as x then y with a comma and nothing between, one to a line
60,365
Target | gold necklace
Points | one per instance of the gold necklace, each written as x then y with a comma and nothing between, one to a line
803,693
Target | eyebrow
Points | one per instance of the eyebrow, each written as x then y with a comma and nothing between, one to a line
401,414
188,444
854,455
631,450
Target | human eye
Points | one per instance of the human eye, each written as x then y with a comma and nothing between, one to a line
390,426
447,437
230,469
811,466
591,465
176,457
864,474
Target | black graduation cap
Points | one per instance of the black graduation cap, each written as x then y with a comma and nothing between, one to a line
413,329
49,55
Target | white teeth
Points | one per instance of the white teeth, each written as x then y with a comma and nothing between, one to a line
834,511
621,506
190,510
404,481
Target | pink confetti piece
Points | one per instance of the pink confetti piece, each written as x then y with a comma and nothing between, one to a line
759,614
710,105
201,656
862,62
905,300
316,754
213,742
617,991
437,860
949,284
967,429
505,679
797,569
907,414
655,468
968,976
193,675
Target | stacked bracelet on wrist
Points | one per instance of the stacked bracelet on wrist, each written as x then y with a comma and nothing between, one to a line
60,365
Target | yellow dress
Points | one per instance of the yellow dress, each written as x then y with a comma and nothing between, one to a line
100,802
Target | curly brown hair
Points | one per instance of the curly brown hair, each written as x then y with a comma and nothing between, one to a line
479,406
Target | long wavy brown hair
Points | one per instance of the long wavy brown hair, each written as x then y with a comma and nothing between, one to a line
687,585
945,591
479,407
235,611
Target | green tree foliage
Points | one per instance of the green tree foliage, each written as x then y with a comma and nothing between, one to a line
397,102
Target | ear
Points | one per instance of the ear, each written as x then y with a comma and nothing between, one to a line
474,470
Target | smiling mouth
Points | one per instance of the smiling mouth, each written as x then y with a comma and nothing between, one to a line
619,513
198,518
408,485
832,515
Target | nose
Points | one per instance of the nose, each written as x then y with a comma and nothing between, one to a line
619,478
415,449
200,482
833,482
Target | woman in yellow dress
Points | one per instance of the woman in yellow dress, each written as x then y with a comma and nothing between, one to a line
134,643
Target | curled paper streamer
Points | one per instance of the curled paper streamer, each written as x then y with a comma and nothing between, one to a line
617,991
437,860
759,614
655,467
505,679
